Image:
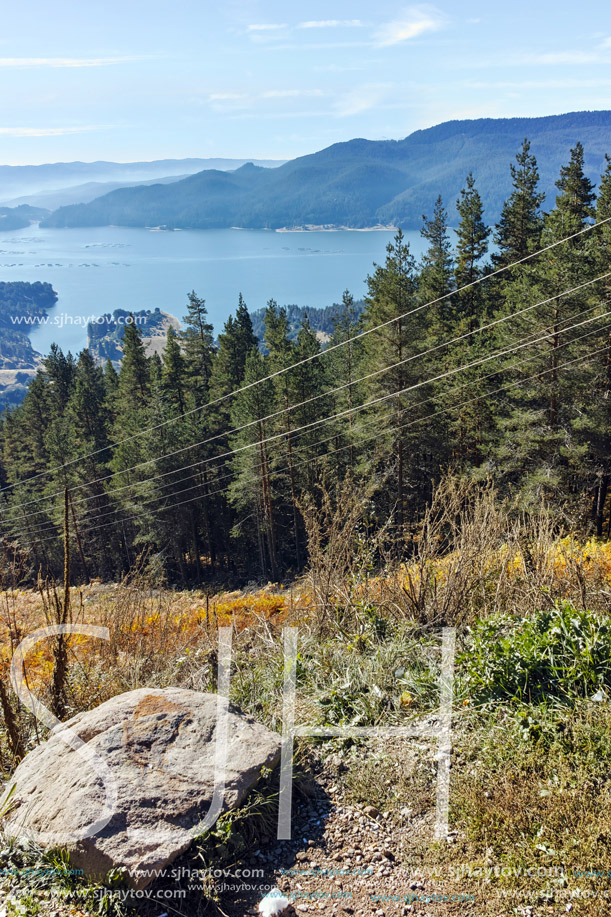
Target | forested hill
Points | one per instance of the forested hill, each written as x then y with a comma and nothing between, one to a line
208,459
360,183
20,217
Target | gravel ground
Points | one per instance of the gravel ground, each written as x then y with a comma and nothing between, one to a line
346,857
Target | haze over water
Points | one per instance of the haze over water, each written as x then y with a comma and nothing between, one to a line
96,271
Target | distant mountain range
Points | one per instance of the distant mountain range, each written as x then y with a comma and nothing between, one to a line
360,183
47,185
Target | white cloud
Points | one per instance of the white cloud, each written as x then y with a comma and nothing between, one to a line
230,102
415,21
226,96
330,24
267,27
606,43
44,131
361,99
62,61
319,46
556,58
340,68
565,83
290,93
268,32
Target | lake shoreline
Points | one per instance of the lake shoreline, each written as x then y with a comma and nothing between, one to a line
96,270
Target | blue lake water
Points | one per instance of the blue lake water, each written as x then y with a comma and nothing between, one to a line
95,271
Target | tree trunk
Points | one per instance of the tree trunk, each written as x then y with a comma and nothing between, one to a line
601,496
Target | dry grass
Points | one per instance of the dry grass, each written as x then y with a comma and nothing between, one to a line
535,802
528,788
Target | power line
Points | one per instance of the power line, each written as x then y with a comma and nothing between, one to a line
411,407
315,356
369,438
296,406
276,471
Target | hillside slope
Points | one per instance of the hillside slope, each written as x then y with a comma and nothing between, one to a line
31,181
359,183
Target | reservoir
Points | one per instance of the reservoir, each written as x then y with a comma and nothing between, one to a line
97,270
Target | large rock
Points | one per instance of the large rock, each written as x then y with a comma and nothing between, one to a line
136,787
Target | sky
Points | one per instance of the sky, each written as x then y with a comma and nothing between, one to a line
154,79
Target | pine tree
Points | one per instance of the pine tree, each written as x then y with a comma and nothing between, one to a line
198,342
518,232
388,353
308,382
236,341
111,388
592,424
343,363
436,272
88,403
537,444
26,456
471,247
251,492
86,432
60,371
574,203
282,354
134,375
132,415
173,373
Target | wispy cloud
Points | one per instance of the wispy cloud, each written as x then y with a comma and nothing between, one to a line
563,83
226,96
556,58
415,21
341,68
319,46
268,32
46,131
63,61
290,93
267,26
330,24
361,99
233,101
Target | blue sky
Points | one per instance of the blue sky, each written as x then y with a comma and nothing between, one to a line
152,79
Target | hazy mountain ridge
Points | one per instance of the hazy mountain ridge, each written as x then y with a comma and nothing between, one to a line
359,183
82,194
17,182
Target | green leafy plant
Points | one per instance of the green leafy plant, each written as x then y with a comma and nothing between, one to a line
561,653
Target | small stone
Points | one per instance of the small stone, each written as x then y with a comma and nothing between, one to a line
371,811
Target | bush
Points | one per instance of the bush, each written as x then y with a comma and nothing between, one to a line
560,653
